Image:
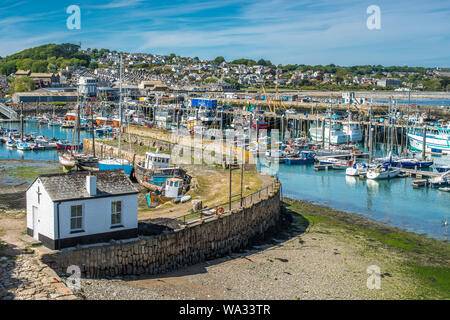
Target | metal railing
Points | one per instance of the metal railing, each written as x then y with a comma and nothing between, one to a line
211,212
7,112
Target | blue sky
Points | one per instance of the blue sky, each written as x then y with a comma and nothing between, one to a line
413,32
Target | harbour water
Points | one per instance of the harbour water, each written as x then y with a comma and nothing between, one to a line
54,132
394,202
420,102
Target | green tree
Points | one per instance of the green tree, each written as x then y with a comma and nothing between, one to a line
219,60
39,66
22,85
93,65
7,68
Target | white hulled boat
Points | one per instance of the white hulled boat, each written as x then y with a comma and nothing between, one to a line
382,172
436,139
336,136
353,131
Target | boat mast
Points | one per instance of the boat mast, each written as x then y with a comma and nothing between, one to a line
93,131
120,106
370,133
78,124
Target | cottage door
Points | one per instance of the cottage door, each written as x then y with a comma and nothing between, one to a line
35,223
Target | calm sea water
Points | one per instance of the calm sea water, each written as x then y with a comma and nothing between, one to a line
37,129
421,102
394,202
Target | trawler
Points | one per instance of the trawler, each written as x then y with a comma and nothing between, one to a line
334,135
153,172
353,131
437,140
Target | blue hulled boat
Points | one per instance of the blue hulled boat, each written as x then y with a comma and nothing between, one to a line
304,158
443,168
115,164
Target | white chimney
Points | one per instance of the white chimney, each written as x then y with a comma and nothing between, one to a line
91,185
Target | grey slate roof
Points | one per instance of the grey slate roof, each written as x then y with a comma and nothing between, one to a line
72,186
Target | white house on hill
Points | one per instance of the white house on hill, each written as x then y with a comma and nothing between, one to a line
64,210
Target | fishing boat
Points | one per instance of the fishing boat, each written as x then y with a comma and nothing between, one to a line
115,164
353,131
67,161
445,189
54,123
304,158
261,125
173,189
103,130
441,181
275,156
442,168
437,139
86,162
333,134
71,116
343,164
116,122
40,139
357,170
68,125
43,121
11,144
103,121
399,162
331,161
23,146
153,172
65,145
382,172
410,163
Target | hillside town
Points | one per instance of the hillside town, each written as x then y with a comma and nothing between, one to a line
145,73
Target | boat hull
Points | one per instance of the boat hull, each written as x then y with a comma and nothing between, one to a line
104,166
381,175
298,161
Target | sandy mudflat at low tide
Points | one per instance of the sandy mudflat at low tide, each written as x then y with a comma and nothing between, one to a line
323,254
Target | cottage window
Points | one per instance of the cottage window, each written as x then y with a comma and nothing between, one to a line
116,213
76,218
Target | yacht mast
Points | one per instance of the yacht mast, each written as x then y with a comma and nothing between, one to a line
120,106
370,134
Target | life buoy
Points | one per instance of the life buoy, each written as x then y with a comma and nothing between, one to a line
219,211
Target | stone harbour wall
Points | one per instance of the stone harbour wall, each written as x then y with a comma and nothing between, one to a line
170,251
104,151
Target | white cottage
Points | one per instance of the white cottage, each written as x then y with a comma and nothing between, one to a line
64,210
